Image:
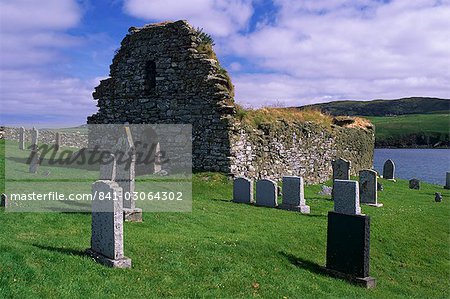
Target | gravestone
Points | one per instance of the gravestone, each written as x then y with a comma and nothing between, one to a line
414,184
125,174
34,139
294,195
389,170
379,186
108,168
266,193
4,200
437,197
346,197
107,225
326,190
368,188
243,190
22,138
34,162
348,248
341,169
447,181
57,141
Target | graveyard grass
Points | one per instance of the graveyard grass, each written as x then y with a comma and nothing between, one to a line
223,249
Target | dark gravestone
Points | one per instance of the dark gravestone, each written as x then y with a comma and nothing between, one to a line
379,187
414,184
389,170
348,247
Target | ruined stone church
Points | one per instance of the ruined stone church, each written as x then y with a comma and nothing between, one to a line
167,73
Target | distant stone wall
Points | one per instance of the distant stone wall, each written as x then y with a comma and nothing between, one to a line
75,139
304,149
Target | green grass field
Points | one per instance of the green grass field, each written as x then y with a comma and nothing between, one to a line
421,129
228,250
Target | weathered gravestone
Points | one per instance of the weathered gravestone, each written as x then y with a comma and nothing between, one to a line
34,139
35,160
341,169
22,138
107,225
414,184
368,188
294,195
125,174
108,168
437,197
389,170
57,141
447,181
348,248
346,197
266,193
243,190
326,190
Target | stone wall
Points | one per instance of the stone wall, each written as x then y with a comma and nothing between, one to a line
75,139
306,149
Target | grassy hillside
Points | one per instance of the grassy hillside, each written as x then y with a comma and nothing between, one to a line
415,105
412,130
228,250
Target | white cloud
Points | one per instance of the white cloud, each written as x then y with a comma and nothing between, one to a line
218,17
35,15
33,37
348,49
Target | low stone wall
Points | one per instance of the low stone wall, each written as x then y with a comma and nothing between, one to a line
303,149
76,139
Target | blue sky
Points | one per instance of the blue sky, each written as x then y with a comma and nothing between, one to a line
279,52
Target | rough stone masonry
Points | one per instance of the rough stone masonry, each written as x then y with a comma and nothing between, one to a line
162,75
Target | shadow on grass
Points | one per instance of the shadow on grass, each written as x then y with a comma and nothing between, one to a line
304,264
67,251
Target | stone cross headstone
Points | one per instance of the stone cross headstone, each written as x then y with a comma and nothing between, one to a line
34,139
108,168
34,162
368,187
125,168
57,141
447,180
346,197
22,138
389,170
414,184
243,190
107,225
294,195
341,169
125,175
266,193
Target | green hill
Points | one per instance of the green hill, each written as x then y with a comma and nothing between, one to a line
414,105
